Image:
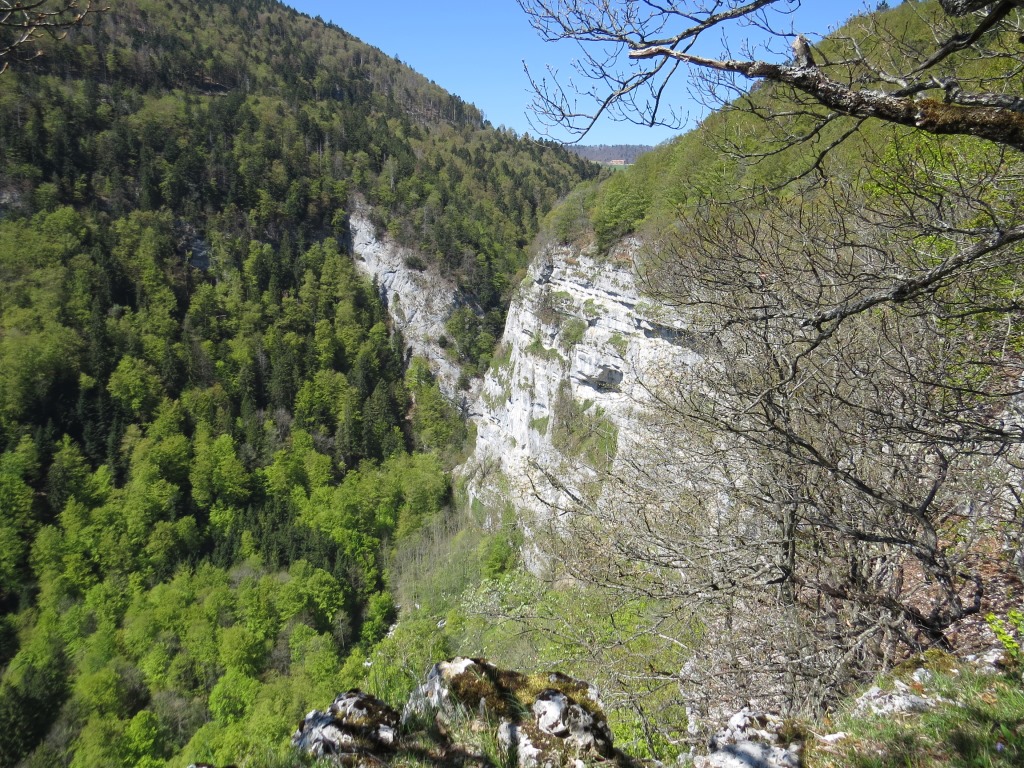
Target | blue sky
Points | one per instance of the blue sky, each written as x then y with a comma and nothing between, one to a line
476,49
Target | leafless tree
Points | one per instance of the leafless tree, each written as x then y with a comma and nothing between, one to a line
817,488
658,39
23,23
807,501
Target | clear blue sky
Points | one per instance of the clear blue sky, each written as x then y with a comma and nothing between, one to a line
476,49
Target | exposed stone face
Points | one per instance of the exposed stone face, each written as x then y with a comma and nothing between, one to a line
355,730
418,301
749,754
435,694
898,701
544,720
557,714
750,739
579,326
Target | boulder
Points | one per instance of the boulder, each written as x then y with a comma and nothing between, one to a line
436,693
749,754
898,701
356,730
541,720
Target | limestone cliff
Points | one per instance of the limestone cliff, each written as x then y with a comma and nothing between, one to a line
565,396
418,300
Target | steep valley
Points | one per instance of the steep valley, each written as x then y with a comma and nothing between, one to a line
311,379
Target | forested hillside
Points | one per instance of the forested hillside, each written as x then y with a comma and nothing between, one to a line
210,440
225,491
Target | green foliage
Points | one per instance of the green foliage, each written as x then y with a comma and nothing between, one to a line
203,417
594,635
1010,634
474,340
619,343
173,233
36,674
499,553
380,613
620,205
582,430
569,221
437,423
232,696
145,742
572,332
536,347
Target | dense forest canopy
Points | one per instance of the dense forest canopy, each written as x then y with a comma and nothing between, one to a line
211,442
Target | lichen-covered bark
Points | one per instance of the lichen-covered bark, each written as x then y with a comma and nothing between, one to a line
963,7
997,124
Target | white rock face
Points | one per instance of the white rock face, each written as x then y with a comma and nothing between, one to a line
750,740
898,701
418,301
749,754
354,728
578,327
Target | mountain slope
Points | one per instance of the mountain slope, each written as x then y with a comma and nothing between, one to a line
209,439
254,107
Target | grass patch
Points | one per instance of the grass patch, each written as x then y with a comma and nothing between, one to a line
572,333
537,348
502,358
980,725
619,344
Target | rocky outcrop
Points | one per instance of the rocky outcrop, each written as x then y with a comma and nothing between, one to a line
357,729
548,720
418,300
580,342
901,699
541,720
751,739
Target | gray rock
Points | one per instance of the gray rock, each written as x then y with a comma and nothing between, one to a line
563,723
898,701
989,661
557,714
750,739
436,692
922,676
355,730
629,340
749,725
418,302
749,754
514,740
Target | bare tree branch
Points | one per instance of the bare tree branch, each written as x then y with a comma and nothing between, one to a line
22,22
638,31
